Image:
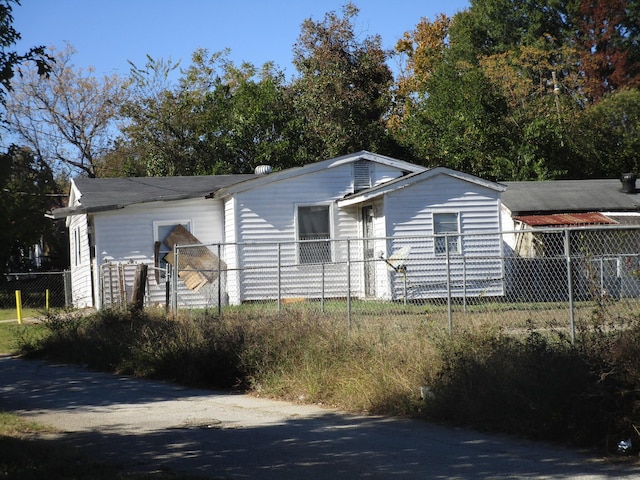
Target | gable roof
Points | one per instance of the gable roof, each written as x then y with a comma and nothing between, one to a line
103,194
289,173
568,196
402,182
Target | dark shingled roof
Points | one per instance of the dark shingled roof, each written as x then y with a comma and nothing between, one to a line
102,194
568,196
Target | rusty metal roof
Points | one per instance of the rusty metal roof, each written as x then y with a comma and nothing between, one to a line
562,219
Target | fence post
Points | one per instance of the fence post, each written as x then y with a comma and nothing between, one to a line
139,286
168,275
174,279
68,293
349,283
19,305
567,250
322,288
279,286
219,283
464,281
122,286
448,267
111,297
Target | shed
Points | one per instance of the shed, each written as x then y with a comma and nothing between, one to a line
536,214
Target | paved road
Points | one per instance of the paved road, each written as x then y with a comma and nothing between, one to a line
145,426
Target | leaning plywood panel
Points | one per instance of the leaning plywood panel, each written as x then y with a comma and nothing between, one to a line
197,264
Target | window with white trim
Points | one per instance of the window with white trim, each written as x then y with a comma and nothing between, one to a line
77,247
314,223
446,228
161,231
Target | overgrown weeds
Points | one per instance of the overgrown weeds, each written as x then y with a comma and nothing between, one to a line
533,383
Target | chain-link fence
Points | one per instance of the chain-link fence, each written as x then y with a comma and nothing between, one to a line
546,277
38,290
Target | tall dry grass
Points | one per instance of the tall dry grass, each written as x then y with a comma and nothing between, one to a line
528,382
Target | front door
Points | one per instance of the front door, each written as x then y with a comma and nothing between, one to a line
368,251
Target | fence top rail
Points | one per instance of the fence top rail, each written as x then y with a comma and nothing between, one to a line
33,274
479,233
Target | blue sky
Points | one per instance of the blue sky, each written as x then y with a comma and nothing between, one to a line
108,33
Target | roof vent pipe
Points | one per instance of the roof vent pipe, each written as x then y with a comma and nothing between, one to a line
263,170
628,182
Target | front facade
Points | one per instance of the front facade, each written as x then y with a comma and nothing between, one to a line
360,209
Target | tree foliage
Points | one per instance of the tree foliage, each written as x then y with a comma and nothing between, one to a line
342,94
506,89
67,119
10,59
219,118
27,184
510,89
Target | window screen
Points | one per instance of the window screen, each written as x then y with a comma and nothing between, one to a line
314,224
446,224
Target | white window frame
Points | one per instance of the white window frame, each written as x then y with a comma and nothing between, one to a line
325,255
77,247
188,224
440,236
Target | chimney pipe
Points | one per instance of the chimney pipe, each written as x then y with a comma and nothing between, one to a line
628,182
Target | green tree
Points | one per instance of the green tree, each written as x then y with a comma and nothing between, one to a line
497,26
463,122
10,59
164,124
607,136
27,184
342,93
220,118
420,52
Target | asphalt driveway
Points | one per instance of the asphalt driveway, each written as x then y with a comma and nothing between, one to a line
146,426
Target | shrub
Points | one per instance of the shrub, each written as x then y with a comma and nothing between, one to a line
537,384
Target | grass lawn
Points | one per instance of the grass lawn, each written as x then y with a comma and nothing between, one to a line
12,314
10,331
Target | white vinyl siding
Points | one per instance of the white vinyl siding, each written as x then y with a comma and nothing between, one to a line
80,262
410,216
129,235
267,215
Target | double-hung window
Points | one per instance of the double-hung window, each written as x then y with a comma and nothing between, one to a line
314,223
446,228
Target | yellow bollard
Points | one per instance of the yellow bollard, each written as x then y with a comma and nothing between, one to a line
47,301
19,305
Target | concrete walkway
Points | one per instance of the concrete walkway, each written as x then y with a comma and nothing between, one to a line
146,426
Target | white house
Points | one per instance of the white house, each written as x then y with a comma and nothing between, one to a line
380,204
